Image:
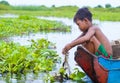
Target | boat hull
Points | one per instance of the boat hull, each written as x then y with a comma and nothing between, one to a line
99,69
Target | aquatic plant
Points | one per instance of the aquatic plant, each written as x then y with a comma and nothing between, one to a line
28,24
62,76
22,59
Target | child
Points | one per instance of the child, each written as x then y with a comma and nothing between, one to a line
92,37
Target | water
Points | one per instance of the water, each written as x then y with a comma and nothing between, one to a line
110,29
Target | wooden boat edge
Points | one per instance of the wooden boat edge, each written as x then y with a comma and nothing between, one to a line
94,67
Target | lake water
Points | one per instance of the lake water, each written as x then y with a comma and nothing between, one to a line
109,28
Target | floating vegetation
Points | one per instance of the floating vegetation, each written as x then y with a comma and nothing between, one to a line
28,24
62,76
22,59
16,60
65,74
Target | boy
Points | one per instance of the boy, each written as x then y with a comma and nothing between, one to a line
92,37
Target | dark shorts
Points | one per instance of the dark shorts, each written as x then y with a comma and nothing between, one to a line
102,51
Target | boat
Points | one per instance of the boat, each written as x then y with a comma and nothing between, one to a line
99,69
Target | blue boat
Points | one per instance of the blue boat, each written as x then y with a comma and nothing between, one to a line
99,69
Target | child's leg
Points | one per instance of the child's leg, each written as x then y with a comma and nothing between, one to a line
99,48
95,42
90,47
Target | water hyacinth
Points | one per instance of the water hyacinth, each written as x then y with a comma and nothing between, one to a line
28,24
22,59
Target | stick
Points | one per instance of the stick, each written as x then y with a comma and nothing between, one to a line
66,64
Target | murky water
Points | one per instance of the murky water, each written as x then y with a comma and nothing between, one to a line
110,29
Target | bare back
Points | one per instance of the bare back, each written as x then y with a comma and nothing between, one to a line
96,35
103,39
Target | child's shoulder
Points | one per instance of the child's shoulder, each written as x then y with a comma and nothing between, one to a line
95,27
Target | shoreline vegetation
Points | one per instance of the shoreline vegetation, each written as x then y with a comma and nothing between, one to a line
100,13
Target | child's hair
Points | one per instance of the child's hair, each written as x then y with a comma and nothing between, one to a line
83,13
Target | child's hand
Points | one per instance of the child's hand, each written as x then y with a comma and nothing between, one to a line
66,49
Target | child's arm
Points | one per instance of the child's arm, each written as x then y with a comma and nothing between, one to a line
68,47
79,36
79,40
84,38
